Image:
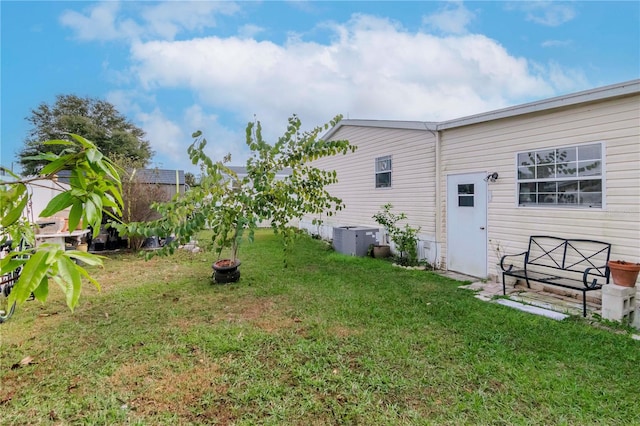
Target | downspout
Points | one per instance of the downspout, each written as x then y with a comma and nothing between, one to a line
438,216
438,200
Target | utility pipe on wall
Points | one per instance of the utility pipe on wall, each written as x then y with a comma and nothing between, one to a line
437,194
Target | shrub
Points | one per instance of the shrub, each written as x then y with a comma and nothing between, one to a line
404,238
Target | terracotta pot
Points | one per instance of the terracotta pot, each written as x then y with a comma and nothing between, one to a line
226,265
624,273
381,251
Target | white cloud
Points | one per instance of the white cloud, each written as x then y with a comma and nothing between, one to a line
171,138
451,19
166,137
99,23
371,69
566,80
249,31
422,77
548,13
163,20
220,140
556,43
167,19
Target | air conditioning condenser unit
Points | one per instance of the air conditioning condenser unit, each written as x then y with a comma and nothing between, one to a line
353,240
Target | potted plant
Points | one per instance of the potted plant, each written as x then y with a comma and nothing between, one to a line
232,205
381,251
404,238
624,273
228,236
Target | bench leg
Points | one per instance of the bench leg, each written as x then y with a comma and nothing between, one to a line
584,304
504,288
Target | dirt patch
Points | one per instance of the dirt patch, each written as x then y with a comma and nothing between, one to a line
194,393
265,314
341,331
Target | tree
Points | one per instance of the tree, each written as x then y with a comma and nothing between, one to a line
139,193
94,190
95,119
230,205
190,179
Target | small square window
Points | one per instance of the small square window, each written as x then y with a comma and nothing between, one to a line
465,195
383,172
465,200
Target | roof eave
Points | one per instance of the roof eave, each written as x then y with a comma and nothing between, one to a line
387,124
598,94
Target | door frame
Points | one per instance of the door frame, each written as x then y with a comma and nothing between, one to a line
477,176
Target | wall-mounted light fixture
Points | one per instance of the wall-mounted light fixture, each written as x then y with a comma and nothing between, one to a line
491,177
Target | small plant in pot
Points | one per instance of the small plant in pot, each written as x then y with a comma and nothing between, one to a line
404,238
226,270
232,205
624,273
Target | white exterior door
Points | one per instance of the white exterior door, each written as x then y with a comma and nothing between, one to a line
467,224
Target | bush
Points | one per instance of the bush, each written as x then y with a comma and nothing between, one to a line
404,238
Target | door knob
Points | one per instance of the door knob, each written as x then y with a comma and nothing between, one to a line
482,228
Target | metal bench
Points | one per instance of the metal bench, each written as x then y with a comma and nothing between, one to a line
574,264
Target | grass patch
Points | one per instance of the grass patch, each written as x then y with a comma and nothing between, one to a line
329,340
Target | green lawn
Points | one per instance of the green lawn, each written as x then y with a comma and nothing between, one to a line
329,340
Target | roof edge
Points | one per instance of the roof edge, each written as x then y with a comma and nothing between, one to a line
387,124
597,94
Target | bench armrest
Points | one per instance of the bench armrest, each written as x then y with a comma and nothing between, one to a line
507,265
594,281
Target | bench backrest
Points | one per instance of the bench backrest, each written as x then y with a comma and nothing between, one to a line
574,255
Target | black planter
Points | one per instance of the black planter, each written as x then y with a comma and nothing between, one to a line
225,272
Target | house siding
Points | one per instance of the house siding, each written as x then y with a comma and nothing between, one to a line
492,146
412,181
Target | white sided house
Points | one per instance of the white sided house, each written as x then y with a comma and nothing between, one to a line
567,166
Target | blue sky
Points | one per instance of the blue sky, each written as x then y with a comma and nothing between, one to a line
176,67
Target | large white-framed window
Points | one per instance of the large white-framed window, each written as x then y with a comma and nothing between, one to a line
383,172
570,176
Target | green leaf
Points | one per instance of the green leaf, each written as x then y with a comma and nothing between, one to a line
54,166
79,193
108,201
93,217
79,175
59,202
42,291
88,258
87,144
10,263
58,142
75,214
49,156
15,214
9,172
34,271
111,171
87,276
70,274
94,156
